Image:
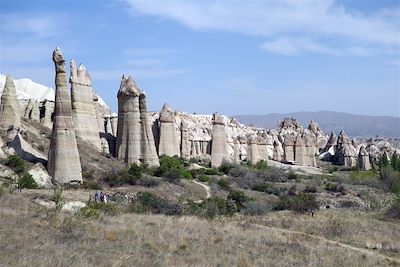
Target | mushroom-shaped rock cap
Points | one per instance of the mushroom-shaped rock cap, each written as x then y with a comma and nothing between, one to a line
166,114
218,119
57,56
128,87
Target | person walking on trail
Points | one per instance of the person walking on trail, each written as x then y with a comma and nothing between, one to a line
96,197
105,198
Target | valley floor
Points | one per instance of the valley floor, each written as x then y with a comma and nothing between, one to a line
32,235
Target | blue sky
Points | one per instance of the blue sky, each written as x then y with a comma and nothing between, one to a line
235,57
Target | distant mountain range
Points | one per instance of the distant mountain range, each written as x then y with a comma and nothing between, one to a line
362,126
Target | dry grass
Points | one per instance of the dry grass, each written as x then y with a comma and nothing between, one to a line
33,236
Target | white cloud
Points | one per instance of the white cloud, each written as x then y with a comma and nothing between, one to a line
36,26
277,19
116,74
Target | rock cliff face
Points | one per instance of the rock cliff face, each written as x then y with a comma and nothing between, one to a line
63,161
83,105
10,113
219,141
32,110
169,142
129,127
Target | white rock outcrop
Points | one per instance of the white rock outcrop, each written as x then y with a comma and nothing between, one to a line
10,113
219,141
169,140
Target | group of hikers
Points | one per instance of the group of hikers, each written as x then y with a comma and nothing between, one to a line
101,197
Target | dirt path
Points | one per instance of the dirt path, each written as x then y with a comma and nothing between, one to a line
206,187
324,239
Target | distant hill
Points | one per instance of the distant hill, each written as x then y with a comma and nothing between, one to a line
354,125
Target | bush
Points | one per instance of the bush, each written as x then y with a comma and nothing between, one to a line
27,181
335,187
212,171
16,163
167,164
223,183
254,208
149,203
394,210
225,167
94,185
261,165
114,179
186,175
390,178
310,189
149,182
219,206
292,175
267,188
239,198
58,198
135,171
203,178
299,203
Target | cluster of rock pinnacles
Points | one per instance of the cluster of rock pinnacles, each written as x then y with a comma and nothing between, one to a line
138,136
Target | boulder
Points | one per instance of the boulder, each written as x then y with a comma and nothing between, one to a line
64,163
40,175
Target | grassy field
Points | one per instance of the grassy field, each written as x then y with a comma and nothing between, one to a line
31,235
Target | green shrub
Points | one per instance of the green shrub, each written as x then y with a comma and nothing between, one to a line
239,198
310,189
27,181
149,182
267,188
394,210
203,178
292,175
58,198
186,175
212,171
223,183
335,187
299,203
167,164
114,179
261,165
390,178
94,185
225,167
16,163
173,176
149,203
254,208
135,171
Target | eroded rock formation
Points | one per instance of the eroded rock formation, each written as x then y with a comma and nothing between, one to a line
168,143
363,159
129,128
63,162
345,154
219,141
83,106
148,147
185,142
10,113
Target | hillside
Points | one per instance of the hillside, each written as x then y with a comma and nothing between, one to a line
354,125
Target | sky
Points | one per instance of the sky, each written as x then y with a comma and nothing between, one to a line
234,57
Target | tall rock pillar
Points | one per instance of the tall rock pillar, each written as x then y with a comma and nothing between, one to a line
148,147
219,141
63,165
83,106
169,143
129,127
10,113
185,142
